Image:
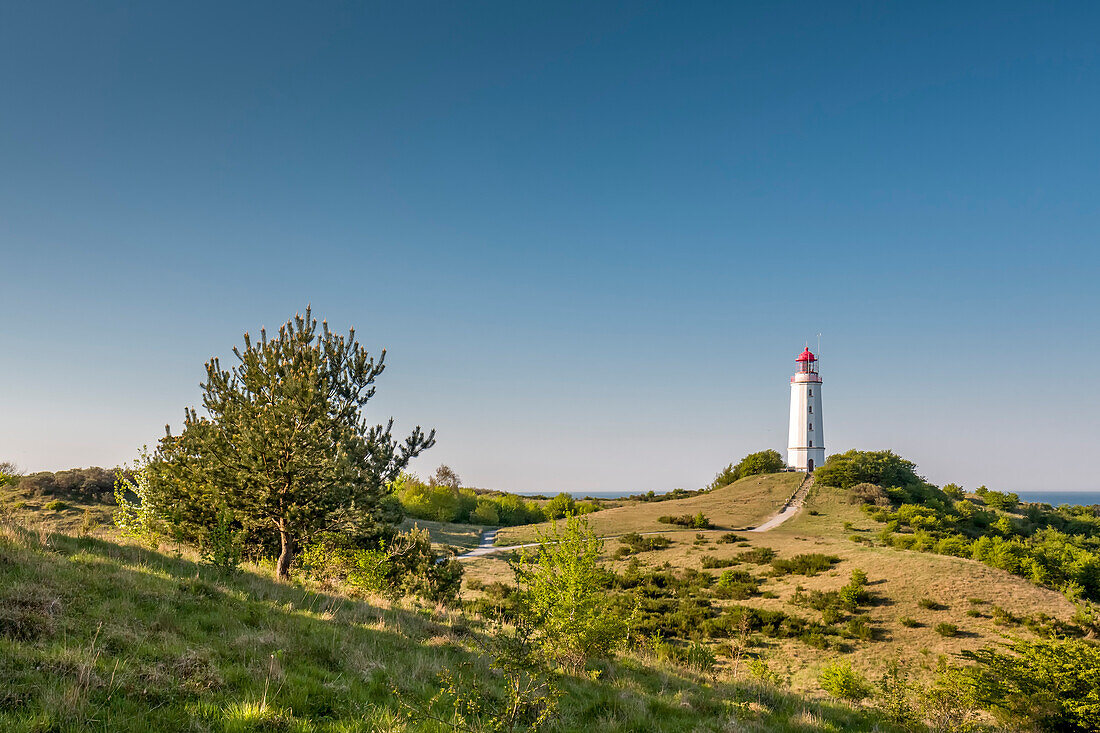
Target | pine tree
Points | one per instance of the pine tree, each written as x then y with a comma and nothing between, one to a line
285,447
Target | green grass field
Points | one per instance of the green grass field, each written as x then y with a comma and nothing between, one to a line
106,636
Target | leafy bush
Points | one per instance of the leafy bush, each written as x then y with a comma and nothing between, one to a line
55,506
881,468
865,493
405,566
710,562
843,682
559,506
909,622
766,461
634,543
946,629
737,585
729,538
931,604
696,521
806,564
998,499
758,555
1053,684
561,594
221,547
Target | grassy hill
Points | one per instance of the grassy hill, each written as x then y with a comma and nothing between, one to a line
743,503
914,592
106,636
97,633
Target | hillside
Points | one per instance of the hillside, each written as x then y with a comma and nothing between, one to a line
97,633
106,636
986,605
742,504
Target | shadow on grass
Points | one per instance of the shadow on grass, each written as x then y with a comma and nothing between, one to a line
132,639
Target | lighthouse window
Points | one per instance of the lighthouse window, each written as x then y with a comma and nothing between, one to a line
811,409
811,393
811,426
811,444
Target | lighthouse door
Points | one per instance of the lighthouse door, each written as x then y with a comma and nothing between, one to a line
810,465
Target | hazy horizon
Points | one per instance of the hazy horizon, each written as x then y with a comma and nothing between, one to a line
593,239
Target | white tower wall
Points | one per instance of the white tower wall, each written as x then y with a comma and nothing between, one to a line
805,438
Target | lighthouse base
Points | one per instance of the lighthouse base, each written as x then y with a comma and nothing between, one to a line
805,459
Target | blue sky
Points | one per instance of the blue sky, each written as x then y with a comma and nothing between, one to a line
592,236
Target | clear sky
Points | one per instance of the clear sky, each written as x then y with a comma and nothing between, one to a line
592,236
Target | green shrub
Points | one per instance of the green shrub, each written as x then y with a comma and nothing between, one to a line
946,629
559,506
220,547
909,622
1049,684
843,682
736,585
710,562
931,604
806,564
697,521
562,595
55,506
766,461
758,555
729,538
634,542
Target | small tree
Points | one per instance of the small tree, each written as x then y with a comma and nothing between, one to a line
843,682
562,595
136,519
285,446
445,476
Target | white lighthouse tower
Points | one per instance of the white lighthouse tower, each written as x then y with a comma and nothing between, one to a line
805,444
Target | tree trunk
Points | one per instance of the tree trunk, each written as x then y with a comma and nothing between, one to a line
286,556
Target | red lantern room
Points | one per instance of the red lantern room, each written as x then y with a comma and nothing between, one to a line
807,362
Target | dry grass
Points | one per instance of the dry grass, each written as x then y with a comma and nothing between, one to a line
899,579
739,505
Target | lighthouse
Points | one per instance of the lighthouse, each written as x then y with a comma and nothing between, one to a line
805,444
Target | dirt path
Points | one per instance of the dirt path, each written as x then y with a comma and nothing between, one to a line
791,508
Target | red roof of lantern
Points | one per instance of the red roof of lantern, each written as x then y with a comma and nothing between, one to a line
806,355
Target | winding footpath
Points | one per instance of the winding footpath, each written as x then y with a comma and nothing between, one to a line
792,507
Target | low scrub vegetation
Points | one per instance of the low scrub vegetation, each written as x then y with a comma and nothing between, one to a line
691,521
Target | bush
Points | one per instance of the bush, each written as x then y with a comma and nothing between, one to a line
882,468
931,604
405,566
806,564
697,521
737,585
55,506
562,595
843,682
559,506
946,629
709,562
765,461
909,622
869,494
758,555
729,538
634,542
1052,684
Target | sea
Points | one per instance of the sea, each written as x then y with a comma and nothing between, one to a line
1055,498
